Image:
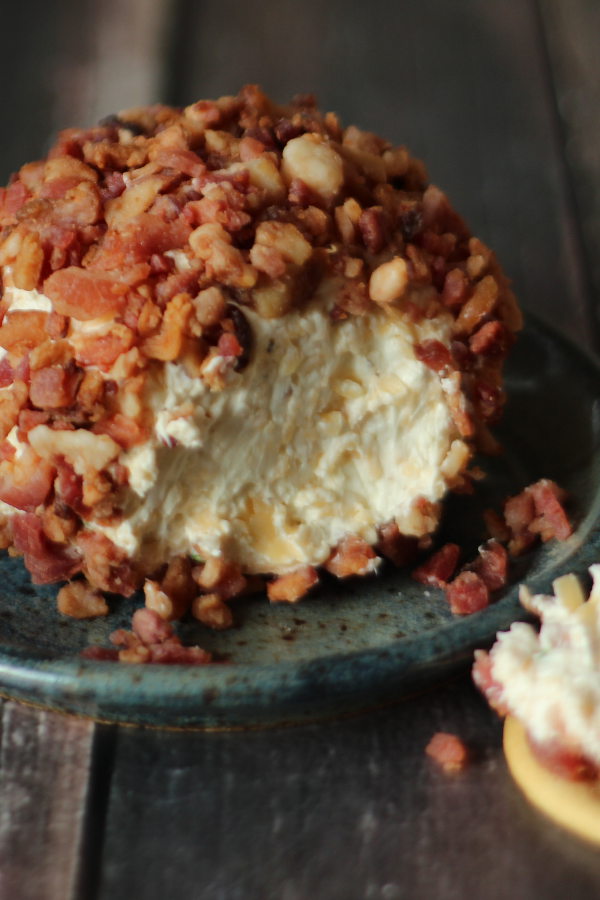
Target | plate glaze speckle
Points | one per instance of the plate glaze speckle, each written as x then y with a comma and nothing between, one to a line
354,644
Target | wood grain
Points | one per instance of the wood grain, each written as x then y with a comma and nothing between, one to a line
44,784
572,31
347,810
464,84
351,809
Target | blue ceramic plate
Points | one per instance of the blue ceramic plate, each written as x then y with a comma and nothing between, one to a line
354,644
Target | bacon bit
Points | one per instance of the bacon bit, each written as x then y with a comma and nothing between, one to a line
395,546
489,400
69,486
352,556
7,374
536,511
224,207
81,206
166,345
519,513
491,565
28,419
492,339
149,627
11,403
456,287
84,294
448,751
80,601
53,387
28,264
481,304
122,429
25,482
251,148
51,353
439,568
373,229
56,325
564,762
228,345
7,450
185,161
291,587
551,520
12,199
22,330
433,354
138,239
212,611
45,561
56,188
105,566
104,350
153,641
467,594
113,186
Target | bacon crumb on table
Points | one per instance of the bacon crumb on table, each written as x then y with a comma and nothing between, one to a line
448,751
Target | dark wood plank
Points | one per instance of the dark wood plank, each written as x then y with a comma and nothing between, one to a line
351,809
44,769
464,84
572,32
71,63
116,62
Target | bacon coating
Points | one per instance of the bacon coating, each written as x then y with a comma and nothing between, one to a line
142,240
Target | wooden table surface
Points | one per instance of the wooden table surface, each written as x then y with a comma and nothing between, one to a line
502,100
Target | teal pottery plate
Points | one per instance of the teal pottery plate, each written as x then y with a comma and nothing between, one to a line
354,644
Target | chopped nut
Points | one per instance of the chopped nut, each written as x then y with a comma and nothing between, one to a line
291,587
80,601
314,161
211,610
389,281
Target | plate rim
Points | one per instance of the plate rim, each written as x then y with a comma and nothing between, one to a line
244,695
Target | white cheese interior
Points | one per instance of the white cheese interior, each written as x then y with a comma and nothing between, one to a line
333,428
551,680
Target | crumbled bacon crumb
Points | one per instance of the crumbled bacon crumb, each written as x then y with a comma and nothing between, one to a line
448,751
439,568
151,641
468,593
536,512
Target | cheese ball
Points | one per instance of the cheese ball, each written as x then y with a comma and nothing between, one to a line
238,340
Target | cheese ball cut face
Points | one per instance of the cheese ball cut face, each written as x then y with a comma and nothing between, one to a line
236,332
